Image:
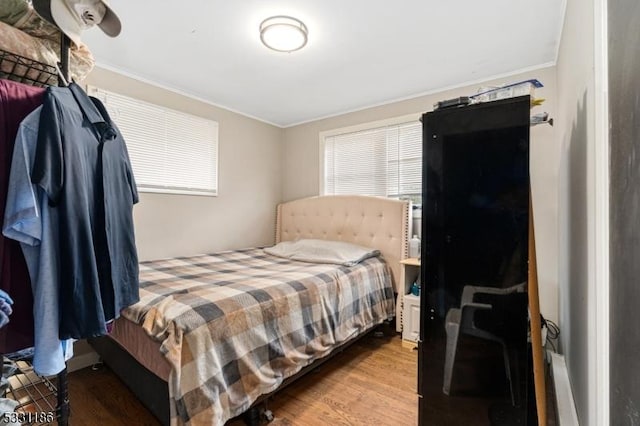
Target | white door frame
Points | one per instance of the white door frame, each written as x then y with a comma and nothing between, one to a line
599,387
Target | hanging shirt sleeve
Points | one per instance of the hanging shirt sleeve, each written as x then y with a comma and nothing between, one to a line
48,164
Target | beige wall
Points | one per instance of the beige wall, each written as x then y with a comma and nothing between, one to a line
250,161
301,174
577,141
242,215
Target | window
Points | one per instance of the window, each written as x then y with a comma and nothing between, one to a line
171,152
377,159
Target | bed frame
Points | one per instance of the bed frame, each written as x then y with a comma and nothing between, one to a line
375,222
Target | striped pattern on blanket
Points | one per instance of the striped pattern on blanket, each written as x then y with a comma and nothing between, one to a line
234,325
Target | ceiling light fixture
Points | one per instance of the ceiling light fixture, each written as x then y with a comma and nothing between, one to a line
283,33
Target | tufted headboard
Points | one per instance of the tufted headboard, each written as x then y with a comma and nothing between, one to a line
376,222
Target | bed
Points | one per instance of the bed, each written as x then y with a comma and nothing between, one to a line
214,334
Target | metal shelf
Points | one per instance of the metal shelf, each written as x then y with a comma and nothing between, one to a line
36,395
24,70
40,402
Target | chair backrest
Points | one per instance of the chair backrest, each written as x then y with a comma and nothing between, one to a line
507,318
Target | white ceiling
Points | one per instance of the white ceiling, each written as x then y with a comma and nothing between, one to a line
360,52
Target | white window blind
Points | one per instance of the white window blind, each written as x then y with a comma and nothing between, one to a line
383,161
170,151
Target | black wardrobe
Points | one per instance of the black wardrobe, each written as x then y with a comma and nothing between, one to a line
473,351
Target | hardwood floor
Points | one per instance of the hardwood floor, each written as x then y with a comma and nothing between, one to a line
100,398
372,382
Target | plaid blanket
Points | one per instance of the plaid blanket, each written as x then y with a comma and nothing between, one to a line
234,325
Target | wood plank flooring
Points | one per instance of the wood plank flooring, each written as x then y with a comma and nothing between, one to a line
371,383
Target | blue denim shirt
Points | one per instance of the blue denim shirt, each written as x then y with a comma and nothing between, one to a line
29,220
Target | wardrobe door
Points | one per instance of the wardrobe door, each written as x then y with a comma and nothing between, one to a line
475,234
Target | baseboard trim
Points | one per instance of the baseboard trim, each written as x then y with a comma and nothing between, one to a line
82,361
565,404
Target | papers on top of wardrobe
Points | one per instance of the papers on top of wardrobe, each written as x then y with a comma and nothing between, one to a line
494,93
520,88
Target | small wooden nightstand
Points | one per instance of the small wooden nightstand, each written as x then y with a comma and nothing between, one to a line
409,271
410,320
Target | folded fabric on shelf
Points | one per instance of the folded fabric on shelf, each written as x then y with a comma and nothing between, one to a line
4,296
25,33
5,308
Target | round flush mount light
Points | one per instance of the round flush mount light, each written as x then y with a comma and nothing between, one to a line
283,33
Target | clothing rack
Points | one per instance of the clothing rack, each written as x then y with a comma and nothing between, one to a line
29,71
35,394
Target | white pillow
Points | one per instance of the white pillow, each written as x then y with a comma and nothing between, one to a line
322,251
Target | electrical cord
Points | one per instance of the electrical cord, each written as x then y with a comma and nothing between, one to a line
553,332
